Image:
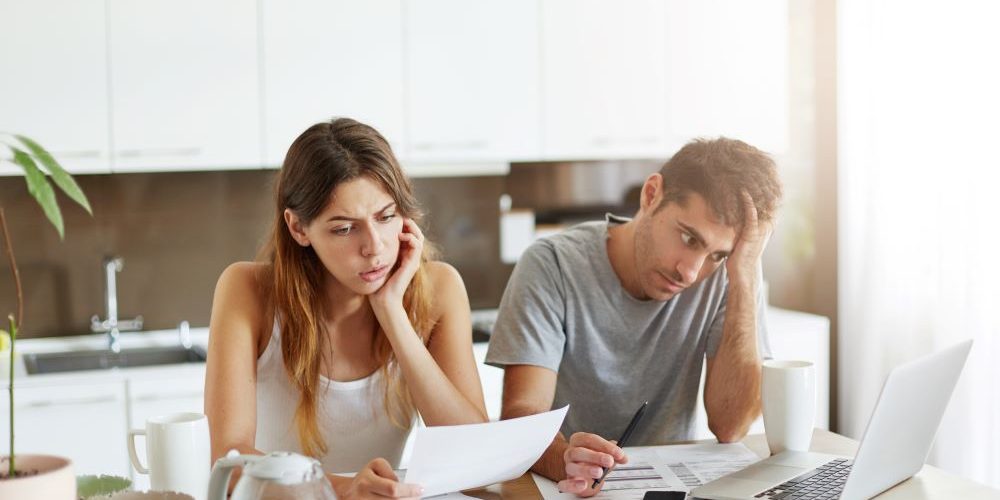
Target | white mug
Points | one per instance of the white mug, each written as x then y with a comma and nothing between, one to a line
178,453
788,397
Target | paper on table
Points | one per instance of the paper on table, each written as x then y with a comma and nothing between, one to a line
697,464
458,457
674,468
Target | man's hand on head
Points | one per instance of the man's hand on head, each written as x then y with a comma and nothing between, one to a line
742,264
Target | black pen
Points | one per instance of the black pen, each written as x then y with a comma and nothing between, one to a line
624,439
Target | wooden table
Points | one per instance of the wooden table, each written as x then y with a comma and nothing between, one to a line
929,483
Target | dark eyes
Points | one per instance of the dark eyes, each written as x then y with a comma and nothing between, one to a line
690,242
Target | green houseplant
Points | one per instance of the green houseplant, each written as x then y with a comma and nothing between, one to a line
34,476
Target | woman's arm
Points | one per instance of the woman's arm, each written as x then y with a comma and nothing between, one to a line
442,377
231,368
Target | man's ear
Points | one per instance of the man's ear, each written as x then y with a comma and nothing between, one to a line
295,228
652,193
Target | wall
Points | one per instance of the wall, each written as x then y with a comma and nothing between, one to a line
178,231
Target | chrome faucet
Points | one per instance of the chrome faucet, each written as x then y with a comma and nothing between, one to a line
112,325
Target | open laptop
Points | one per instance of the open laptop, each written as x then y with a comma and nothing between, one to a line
894,447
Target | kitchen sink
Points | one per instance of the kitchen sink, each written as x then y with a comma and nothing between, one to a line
69,361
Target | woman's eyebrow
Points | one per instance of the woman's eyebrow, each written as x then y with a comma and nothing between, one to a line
337,217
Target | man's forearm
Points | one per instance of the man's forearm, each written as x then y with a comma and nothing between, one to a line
552,464
732,391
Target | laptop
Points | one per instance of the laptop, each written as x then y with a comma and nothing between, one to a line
894,447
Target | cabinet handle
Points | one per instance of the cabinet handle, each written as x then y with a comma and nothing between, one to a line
139,153
71,402
604,141
159,397
64,155
451,146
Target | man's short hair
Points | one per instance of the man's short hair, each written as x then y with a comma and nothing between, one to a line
718,170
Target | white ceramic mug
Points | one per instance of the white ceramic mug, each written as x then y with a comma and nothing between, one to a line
178,453
788,397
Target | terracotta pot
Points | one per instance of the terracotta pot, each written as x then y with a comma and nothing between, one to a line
54,478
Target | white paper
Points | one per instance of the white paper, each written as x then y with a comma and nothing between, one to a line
459,457
673,468
696,464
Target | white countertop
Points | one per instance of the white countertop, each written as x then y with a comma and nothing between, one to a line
97,341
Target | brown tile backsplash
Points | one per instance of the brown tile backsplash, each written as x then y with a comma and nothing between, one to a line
178,231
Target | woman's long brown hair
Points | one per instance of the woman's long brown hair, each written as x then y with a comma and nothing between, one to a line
321,158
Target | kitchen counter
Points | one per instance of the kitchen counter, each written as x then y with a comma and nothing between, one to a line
97,341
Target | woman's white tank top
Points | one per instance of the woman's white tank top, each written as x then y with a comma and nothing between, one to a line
351,415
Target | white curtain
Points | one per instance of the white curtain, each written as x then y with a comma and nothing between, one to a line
919,210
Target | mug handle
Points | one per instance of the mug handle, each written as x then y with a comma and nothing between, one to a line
131,450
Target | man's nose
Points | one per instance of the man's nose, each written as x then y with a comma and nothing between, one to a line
689,267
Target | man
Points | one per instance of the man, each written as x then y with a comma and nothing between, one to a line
607,315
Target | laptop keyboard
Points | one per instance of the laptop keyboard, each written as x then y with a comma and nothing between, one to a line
823,482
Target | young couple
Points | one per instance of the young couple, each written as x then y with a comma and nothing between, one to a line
347,328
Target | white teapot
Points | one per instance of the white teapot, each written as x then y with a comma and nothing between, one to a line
277,475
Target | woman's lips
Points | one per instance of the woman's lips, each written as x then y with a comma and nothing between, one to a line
375,274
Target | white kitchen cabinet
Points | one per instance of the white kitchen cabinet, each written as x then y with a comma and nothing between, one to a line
472,73
184,84
326,58
84,422
728,71
54,85
603,79
491,379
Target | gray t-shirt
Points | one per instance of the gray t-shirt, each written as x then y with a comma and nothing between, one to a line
565,309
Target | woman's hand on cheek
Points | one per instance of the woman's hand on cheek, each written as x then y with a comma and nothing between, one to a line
411,247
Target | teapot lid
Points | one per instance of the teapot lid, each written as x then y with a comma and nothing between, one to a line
284,467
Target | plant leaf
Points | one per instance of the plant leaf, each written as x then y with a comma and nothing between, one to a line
59,175
39,187
100,486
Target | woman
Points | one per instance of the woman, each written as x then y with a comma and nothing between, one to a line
331,345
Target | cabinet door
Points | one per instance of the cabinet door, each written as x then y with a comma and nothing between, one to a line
83,422
603,79
491,379
54,87
728,71
472,80
183,390
325,58
184,84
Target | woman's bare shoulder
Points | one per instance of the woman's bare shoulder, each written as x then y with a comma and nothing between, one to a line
443,274
447,287
241,297
244,277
